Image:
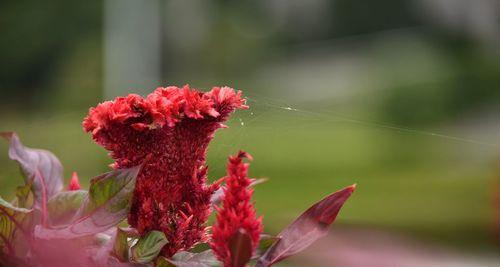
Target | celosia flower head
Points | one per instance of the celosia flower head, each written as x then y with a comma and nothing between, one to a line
237,212
168,133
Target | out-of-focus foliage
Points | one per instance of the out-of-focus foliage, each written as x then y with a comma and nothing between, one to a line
44,44
351,65
471,82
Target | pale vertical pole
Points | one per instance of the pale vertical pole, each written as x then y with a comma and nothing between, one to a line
132,46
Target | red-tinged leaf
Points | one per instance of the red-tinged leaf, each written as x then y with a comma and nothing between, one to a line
107,204
40,167
240,245
265,242
187,259
309,227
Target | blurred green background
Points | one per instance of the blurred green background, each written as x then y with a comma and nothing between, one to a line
399,96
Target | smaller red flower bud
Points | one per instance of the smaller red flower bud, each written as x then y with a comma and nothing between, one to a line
74,183
237,211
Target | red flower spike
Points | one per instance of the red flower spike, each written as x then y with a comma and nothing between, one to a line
74,183
168,132
237,212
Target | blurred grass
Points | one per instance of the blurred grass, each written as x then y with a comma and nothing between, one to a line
436,189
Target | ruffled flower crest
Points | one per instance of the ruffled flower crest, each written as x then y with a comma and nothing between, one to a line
168,132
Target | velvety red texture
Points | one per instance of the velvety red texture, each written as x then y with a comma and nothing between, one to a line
168,133
237,210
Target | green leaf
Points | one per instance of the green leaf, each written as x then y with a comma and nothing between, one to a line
120,243
22,195
148,247
63,206
188,259
14,224
40,167
107,204
163,262
111,248
200,247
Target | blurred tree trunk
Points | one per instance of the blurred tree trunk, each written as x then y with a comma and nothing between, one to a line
132,49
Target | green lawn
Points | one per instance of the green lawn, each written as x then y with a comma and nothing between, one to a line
434,188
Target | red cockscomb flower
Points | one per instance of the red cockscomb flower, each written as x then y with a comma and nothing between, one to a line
168,133
237,211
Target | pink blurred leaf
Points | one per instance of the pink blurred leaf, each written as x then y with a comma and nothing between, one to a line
60,253
107,204
40,167
63,206
6,260
309,227
265,242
